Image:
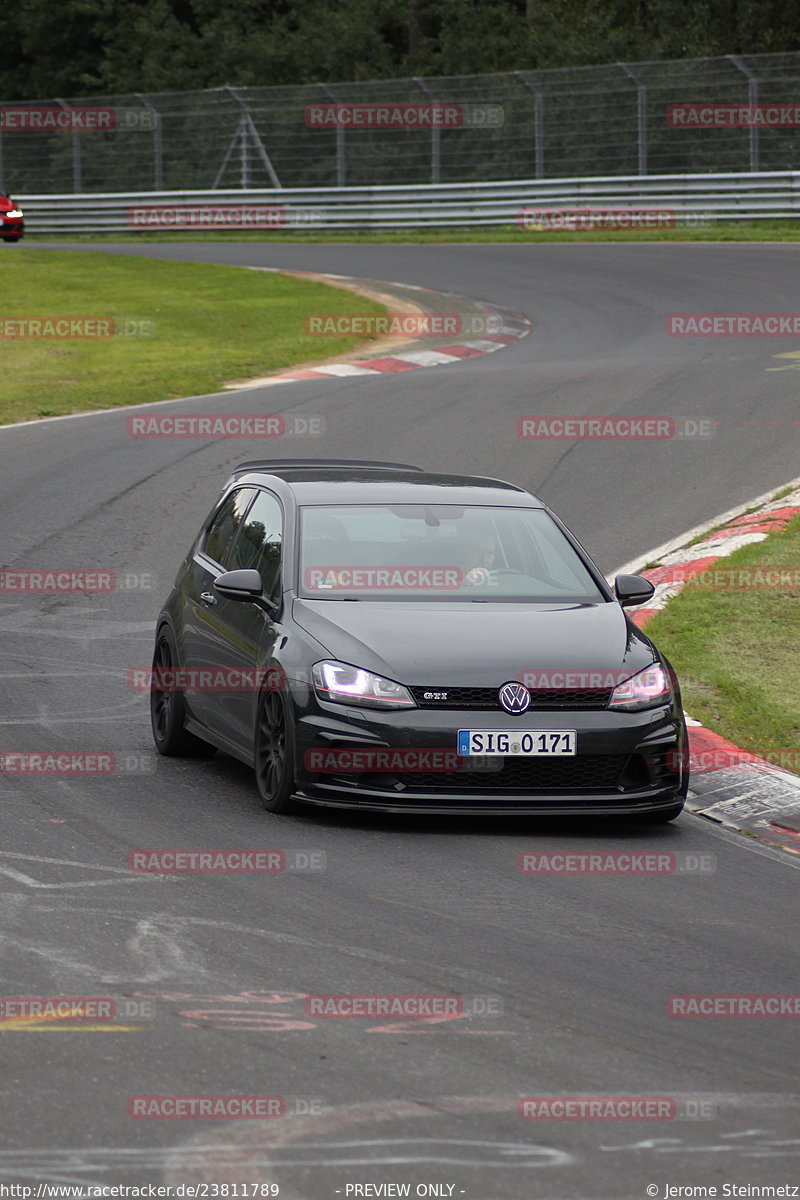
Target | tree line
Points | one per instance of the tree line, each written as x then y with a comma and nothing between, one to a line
85,48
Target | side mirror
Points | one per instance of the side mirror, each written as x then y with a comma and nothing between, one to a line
629,589
239,585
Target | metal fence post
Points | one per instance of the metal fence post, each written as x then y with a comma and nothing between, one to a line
752,100
341,145
641,115
76,152
158,151
246,129
538,125
244,169
436,136
538,122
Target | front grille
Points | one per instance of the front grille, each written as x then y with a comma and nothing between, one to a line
582,774
487,698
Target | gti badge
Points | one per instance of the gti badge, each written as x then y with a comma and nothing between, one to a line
514,697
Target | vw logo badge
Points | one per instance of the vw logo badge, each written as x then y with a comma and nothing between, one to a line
514,697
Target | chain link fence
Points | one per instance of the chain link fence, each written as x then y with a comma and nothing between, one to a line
619,119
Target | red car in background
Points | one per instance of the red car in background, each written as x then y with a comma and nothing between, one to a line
12,223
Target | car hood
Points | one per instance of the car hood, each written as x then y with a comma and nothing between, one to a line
474,645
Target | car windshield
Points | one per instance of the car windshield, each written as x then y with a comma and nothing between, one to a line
435,552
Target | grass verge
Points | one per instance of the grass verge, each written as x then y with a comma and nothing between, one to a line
716,231
737,650
203,326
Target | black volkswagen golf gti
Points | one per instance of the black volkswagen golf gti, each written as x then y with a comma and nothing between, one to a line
368,635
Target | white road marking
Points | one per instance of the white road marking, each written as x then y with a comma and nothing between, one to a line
425,358
28,881
656,555
154,946
343,369
63,862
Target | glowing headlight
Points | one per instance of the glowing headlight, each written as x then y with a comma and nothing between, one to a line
647,689
351,685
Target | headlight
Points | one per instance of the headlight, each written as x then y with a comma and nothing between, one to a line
647,689
12,212
350,685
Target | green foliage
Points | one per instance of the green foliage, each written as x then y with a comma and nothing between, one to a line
206,325
101,47
737,650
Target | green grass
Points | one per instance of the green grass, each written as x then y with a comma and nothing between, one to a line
211,325
716,231
737,652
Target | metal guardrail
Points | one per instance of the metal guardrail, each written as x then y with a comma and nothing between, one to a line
691,198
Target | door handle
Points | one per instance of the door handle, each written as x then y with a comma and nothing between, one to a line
208,598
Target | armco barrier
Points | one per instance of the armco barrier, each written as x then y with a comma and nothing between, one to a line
735,196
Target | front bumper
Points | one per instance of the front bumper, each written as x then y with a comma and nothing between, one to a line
12,228
626,763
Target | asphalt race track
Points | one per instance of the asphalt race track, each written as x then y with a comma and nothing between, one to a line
571,975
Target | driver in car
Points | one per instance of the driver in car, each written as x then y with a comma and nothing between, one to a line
482,552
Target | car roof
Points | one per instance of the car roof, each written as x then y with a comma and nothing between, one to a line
340,481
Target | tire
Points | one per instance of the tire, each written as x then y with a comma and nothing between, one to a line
168,709
10,239
274,752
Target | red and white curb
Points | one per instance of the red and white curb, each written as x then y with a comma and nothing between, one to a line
507,327
728,784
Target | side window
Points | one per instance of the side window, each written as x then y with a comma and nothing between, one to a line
258,545
225,526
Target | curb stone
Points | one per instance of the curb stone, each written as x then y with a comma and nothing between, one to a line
728,784
507,326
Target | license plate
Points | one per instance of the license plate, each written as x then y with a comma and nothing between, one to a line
527,743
